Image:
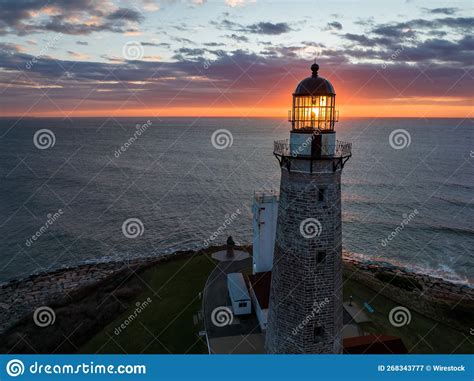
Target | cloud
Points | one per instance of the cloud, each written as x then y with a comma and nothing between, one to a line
78,17
122,14
417,40
444,11
235,3
150,5
158,85
429,51
364,40
409,28
262,27
268,28
213,44
78,56
335,25
237,38
158,44
189,52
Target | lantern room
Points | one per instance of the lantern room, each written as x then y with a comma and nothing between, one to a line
314,102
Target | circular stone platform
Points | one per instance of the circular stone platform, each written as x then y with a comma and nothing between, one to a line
222,256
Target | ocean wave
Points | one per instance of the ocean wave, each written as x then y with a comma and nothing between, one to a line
444,272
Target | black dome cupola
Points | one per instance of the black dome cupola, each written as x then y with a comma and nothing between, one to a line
314,103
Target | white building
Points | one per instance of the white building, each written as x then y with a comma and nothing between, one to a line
265,213
259,286
239,294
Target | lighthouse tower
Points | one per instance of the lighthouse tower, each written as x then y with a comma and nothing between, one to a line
305,312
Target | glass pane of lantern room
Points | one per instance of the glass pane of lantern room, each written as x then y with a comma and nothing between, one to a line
322,113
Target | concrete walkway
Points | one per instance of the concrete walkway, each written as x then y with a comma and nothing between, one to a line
356,312
243,334
223,257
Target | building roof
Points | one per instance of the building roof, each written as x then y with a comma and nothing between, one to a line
260,283
374,344
237,287
314,85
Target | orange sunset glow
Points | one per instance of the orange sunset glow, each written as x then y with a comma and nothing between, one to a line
122,65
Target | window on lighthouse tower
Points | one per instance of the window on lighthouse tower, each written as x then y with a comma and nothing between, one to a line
318,333
321,192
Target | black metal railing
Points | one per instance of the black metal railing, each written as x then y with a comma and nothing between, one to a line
282,148
343,149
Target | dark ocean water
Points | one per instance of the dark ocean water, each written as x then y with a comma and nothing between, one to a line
182,189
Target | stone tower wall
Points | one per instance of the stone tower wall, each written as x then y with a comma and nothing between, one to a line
305,294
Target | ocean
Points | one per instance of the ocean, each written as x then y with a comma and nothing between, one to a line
67,204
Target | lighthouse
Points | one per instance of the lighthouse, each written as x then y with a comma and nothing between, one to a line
306,307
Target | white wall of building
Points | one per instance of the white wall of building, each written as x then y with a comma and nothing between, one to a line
238,294
265,213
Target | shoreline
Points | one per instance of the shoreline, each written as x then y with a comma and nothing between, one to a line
429,295
113,262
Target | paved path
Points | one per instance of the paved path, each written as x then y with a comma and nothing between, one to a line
243,335
223,257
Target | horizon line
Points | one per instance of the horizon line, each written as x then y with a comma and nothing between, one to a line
221,117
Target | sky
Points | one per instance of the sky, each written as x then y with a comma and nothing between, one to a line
243,58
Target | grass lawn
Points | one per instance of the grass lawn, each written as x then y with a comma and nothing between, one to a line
421,335
166,325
